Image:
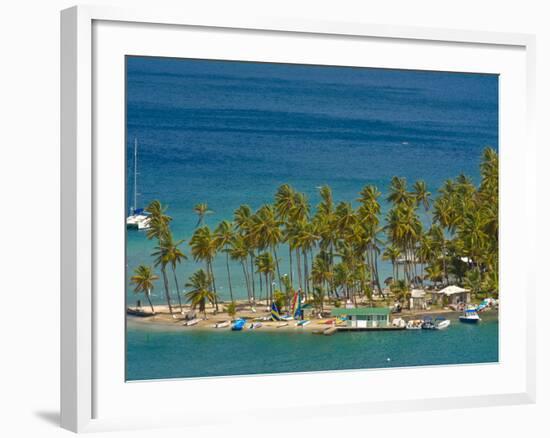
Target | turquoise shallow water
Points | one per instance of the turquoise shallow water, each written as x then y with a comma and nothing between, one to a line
154,353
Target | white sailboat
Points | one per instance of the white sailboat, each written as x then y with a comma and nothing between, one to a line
138,219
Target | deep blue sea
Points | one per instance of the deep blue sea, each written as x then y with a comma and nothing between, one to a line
229,133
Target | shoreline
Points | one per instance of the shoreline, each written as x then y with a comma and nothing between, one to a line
163,318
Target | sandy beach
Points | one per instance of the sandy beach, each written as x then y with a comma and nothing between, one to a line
179,319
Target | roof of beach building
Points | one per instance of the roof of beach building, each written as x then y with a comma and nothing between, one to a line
360,311
451,290
418,293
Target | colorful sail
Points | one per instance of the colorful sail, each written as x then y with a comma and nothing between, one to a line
275,316
293,304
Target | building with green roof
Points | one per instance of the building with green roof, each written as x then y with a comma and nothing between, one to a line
364,317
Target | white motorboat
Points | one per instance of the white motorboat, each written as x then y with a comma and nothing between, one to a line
222,324
442,323
398,322
470,316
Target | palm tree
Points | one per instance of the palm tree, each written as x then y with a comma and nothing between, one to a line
203,248
267,229
266,266
202,210
159,222
392,253
174,256
421,194
224,237
474,281
200,293
162,259
159,228
284,203
398,192
434,273
144,279
239,252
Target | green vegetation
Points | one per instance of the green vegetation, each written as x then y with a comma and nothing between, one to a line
334,249
144,279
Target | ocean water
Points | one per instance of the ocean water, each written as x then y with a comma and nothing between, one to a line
229,133
155,353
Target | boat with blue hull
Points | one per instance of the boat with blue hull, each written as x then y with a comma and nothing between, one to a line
238,325
470,316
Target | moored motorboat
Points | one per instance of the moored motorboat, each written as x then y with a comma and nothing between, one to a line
414,324
222,324
238,324
428,324
469,316
398,322
303,323
282,324
441,323
255,325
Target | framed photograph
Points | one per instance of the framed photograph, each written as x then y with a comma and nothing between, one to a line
324,217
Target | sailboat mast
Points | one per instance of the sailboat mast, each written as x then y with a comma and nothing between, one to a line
135,174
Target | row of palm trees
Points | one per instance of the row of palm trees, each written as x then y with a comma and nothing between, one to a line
334,250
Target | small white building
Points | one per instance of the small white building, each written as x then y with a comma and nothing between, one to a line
451,295
418,299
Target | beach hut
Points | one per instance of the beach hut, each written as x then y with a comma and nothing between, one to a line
418,299
451,295
363,317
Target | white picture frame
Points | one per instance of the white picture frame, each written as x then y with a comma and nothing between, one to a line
82,371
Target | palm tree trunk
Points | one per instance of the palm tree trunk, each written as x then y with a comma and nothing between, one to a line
251,273
228,275
277,265
245,273
148,295
209,265
177,288
166,289
306,280
290,265
298,262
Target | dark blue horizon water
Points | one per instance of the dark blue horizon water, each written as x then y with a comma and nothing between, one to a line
229,133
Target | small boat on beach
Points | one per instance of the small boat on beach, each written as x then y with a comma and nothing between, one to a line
283,324
255,325
303,323
238,324
441,323
469,316
191,322
222,324
139,312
